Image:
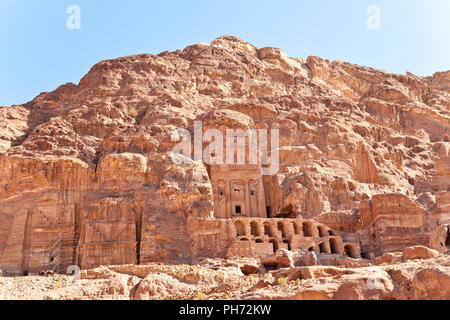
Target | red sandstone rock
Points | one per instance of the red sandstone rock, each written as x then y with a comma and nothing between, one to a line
419,252
432,284
87,177
388,258
285,259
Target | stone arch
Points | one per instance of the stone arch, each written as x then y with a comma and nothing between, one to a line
307,229
331,233
351,251
317,230
286,241
259,240
274,242
254,229
267,229
322,231
243,239
348,251
323,248
282,229
334,245
240,228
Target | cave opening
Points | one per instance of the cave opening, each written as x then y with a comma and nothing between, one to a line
254,229
447,241
307,232
286,241
334,245
275,245
267,230
281,229
349,251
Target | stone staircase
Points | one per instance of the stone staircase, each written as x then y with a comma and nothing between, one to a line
61,255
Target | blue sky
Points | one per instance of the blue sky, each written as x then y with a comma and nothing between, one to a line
38,52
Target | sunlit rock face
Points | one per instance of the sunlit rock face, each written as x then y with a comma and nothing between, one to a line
87,169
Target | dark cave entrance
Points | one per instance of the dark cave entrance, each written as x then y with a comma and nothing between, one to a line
275,245
447,241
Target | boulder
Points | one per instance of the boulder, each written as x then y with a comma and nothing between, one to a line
285,258
307,259
419,252
250,268
388,258
432,284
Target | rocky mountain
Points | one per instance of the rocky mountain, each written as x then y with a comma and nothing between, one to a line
86,170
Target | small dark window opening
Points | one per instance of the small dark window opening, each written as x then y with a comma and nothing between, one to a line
252,193
334,246
236,190
268,212
221,193
322,248
238,210
267,230
447,241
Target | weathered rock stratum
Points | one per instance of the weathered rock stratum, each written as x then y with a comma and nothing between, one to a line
87,175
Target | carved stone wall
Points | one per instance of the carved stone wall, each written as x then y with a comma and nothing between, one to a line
238,191
262,237
362,151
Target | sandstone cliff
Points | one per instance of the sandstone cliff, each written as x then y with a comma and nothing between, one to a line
86,169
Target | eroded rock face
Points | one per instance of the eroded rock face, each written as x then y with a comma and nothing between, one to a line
87,169
432,284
